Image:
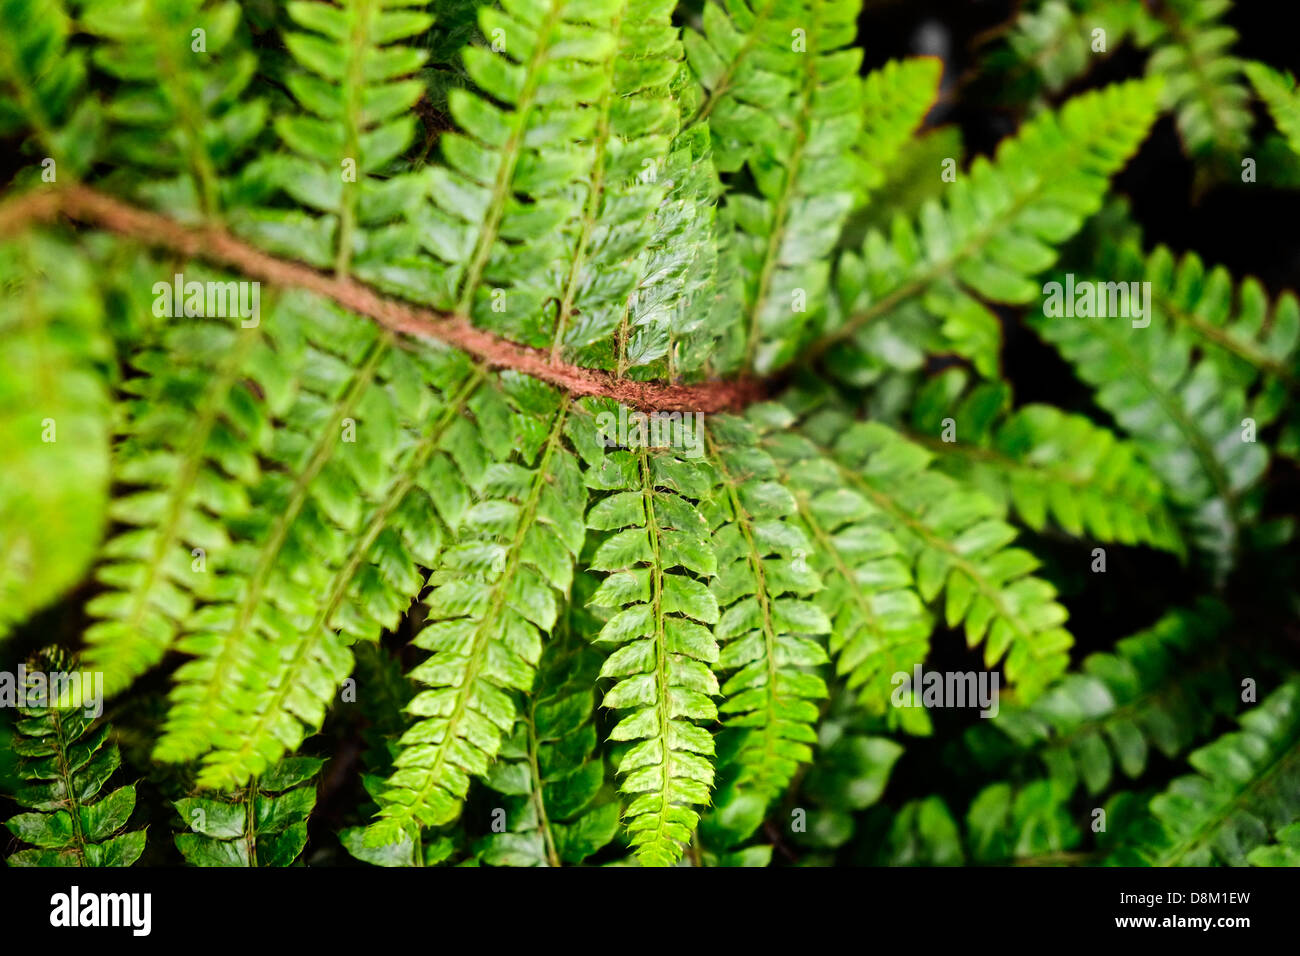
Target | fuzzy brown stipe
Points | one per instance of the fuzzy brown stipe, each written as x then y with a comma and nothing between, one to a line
215,245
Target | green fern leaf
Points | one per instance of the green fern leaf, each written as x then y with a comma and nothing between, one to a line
1177,380
367,588
920,289
350,481
1246,790
657,563
743,57
1286,852
1279,93
895,100
355,87
909,184
1160,690
1005,823
54,423
1203,81
922,833
179,111
264,824
497,207
1042,462
1053,44
849,775
185,420
493,595
332,447
1253,344
636,121
959,546
769,627
669,328
805,186
557,810
383,692
42,86
65,761
879,625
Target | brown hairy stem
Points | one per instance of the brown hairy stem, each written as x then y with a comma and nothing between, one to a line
218,246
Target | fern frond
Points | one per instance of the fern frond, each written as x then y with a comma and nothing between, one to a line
909,184
805,184
1161,689
1054,43
64,763
356,89
879,625
1044,462
382,694
1246,790
428,848
54,422
1203,82
264,824
668,329
366,585
510,183
895,100
1005,823
726,835
850,774
42,84
1251,341
636,121
180,111
656,564
1254,344
187,452
456,26
548,770
349,477
769,627
1178,385
742,57
494,595
922,833
383,691
1278,91
959,546
923,287
331,447
1285,852
500,249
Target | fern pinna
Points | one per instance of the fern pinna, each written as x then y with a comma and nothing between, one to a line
589,419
